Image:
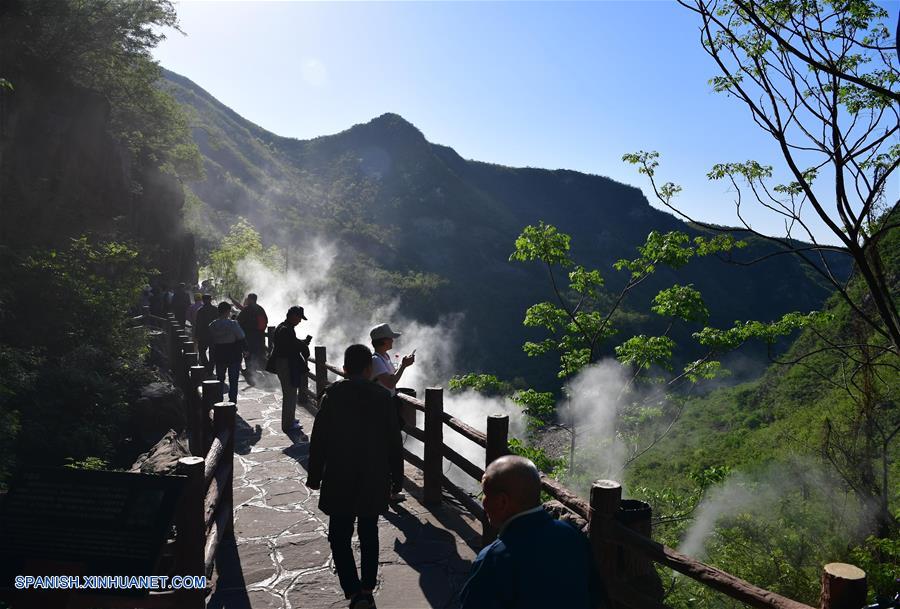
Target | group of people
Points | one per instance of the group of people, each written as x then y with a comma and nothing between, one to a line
355,462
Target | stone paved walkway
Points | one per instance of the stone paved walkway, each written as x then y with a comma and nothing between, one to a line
280,556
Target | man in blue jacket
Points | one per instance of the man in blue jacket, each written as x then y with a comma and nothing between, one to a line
536,561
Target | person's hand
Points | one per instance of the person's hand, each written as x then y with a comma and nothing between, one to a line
312,485
408,361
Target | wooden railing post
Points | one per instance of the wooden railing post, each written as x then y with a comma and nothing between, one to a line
605,498
211,394
434,444
172,333
636,571
195,411
497,446
843,587
407,414
183,375
497,438
321,371
223,419
191,526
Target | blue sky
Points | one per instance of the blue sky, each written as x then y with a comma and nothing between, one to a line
554,85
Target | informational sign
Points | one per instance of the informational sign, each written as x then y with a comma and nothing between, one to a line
64,521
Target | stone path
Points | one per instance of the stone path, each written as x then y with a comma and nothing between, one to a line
280,556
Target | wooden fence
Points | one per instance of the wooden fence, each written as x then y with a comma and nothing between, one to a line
205,514
619,530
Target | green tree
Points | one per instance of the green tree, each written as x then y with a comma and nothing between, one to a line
242,243
821,78
104,46
582,318
71,366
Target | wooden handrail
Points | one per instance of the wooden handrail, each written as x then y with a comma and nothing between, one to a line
216,450
708,575
217,489
206,512
464,464
219,527
418,434
569,499
465,430
414,402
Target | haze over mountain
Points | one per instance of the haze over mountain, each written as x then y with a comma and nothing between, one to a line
414,219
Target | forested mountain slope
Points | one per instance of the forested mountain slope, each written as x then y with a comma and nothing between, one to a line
445,226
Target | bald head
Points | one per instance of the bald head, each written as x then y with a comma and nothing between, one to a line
517,478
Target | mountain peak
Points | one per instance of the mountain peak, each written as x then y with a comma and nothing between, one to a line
393,127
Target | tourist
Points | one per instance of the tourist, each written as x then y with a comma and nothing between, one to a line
254,322
204,316
386,375
195,306
179,303
353,442
228,343
531,549
288,361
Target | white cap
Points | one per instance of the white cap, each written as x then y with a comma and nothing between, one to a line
382,331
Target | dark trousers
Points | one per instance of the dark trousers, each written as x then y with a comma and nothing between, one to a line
340,532
202,349
256,344
233,368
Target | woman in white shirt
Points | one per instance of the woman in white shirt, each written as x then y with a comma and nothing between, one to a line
385,374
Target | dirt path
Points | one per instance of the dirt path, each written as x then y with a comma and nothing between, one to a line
280,557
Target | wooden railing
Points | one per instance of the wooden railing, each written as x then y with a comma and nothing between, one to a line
619,530
205,514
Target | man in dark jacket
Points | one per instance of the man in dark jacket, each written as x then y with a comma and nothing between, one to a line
288,361
181,300
205,316
352,443
254,321
531,549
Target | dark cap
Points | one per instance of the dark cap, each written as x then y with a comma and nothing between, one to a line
296,310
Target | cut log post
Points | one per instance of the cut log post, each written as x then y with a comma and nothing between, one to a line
497,446
606,495
223,420
212,394
407,413
434,444
636,571
174,346
321,371
843,586
194,406
191,525
497,438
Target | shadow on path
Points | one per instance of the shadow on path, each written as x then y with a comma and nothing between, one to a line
231,589
245,436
